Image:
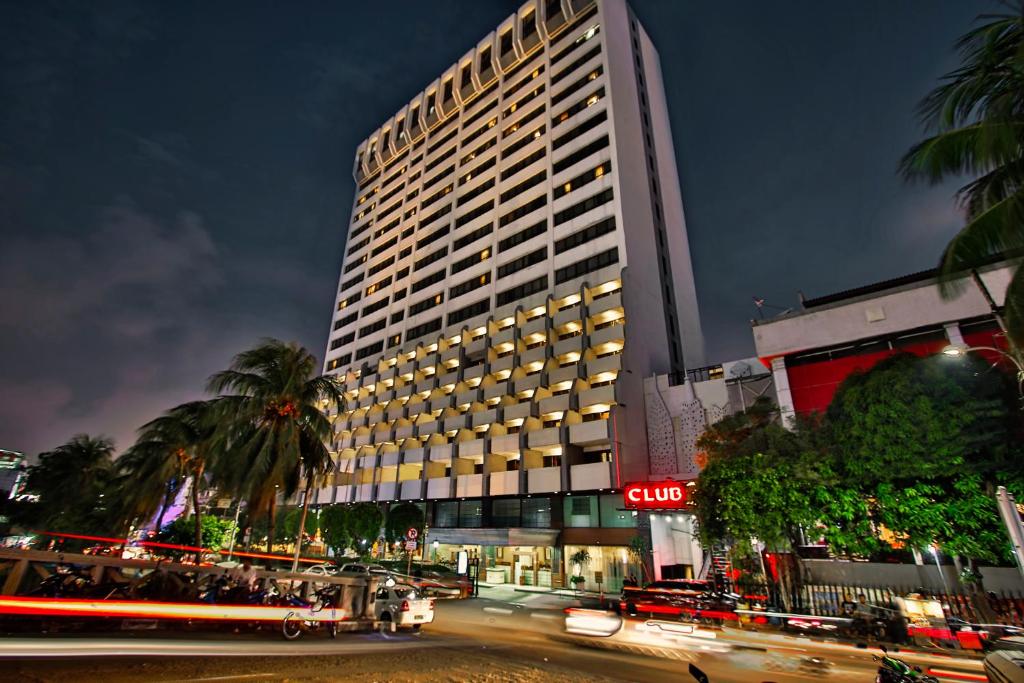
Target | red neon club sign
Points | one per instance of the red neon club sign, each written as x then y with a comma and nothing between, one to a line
655,495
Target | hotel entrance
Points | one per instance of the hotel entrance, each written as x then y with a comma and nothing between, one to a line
507,565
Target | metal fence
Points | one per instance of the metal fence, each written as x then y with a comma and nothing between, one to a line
827,600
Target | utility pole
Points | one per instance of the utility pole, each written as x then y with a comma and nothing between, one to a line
1011,519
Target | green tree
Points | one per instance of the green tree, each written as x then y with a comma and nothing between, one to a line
364,522
289,526
977,119
334,525
274,428
401,518
924,442
214,531
172,450
72,482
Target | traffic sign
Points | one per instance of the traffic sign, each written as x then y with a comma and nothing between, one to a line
410,545
412,533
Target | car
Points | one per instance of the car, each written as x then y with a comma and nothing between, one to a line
363,569
684,598
439,582
322,569
402,606
1005,666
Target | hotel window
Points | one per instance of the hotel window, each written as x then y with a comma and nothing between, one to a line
397,317
580,154
376,286
588,125
426,304
585,103
381,248
467,75
536,513
394,340
523,186
588,204
522,291
372,327
471,237
470,260
374,307
428,259
577,63
351,281
350,300
469,285
539,154
377,267
485,58
579,181
523,210
350,318
506,42
596,262
467,312
434,236
425,328
585,235
400,294
522,262
529,24
470,216
425,282
475,192
471,514
480,168
524,120
370,350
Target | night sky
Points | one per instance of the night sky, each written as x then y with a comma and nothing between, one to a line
175,177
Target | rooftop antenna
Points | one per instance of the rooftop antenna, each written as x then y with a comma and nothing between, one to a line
761,303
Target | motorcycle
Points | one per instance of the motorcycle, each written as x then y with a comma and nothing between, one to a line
293,625
893,670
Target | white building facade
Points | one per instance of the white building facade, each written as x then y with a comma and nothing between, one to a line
516,264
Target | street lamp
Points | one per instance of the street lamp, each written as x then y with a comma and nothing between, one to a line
961,350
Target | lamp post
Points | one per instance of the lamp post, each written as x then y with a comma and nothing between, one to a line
961,350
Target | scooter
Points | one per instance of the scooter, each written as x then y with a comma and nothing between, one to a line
893,670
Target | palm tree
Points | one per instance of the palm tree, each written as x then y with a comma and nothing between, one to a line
71,482
977,117
273,428
176,447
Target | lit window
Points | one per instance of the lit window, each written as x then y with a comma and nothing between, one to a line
567,187
599,171
592,100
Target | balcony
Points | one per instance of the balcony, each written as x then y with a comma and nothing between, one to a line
367,401
506,444
381,436
412,456
518,411
503,336
361,440
469,485
406,368
450,353
502,365
344,494
592,433
568,345
412,489
554,404
612,363
448,378
476,346
474,372
533,356
323,496
531,382
425,429
566,374
464,397
441,487
504,483
591,477
441,453
566,315
441,403
608,334
404,391
600,395
367,462
538,324
485,417
390,459
364,493
544,480
550,436
404,432
472,449
499,389
395,412
457,422
387,491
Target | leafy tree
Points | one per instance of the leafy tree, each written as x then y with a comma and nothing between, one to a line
173,449
181,531
977,117
364,521
334,525
274,428
72,484
401,518
289,526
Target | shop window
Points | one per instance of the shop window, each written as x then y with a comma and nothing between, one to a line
580,510
536,513
505,512
613,513
471,514
446,514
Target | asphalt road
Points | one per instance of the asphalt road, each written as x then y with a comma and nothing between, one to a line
519,638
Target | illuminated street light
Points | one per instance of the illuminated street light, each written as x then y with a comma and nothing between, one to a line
961,350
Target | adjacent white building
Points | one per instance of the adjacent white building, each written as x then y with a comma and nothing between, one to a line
516,264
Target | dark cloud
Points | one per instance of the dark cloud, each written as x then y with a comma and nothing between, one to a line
175,179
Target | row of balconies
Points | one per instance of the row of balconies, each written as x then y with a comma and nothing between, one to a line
445,355
483,407
429,397
585,477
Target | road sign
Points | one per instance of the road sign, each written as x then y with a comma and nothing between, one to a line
410,545
412,533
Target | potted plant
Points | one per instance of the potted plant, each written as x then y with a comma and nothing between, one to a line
579,560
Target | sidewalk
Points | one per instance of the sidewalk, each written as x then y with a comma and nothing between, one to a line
538,596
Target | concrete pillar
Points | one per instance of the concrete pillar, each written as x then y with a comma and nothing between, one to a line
783,392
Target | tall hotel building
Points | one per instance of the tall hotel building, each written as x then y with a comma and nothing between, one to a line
516,264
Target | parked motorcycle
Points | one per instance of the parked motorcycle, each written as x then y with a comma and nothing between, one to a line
894,670
293,625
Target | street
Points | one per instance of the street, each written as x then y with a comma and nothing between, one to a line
508,637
